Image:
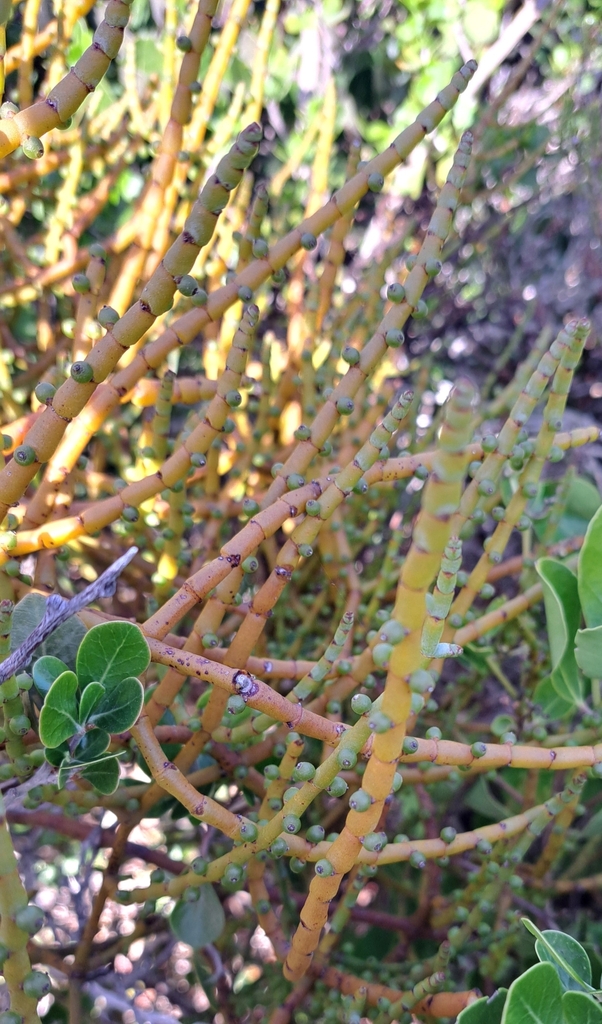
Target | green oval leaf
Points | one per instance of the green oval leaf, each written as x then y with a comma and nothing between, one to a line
569,954
111,651
201,922
589,572
579,1008
91,746
58,717
588,651
91,697
119,706
550,701
485,1011
103,775
62,643
45,670
561,600
534,998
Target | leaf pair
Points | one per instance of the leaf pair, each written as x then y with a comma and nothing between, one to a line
103,696
567,599
558,990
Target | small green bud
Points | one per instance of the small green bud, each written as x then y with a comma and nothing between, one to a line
529,490
271,772
305,550
432,267
448,834
158,875
308,241
313,507
6,442
8,110
394,338
98,251
381,654
297,865
260,248
420,310
235,704
199,866
187,285
130,514
417,860
20,725
478,749
82,371
315,834
81,284
45,392
486,488
392,632
245,294
184,43
523,523
338,787
361,704
303,771
489,443
351,355
33,148
278,848
434,733
410,745
396,293
294,480
556,454
484,847
421,473
289,794
360,801
421,681
24,455
250,564
375,841
324,868
291,823
209,640
346,758
379,722
487,591
29,919
345,406
233,874
375,182
397,782
302,433
199,298
198,460
36,984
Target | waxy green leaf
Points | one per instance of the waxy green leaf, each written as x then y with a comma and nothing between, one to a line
119,706
103,775
588,651
589,572
200,922
91,697
563,615
58,717
45,670
579,1008
534,998
111,652
485,1011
